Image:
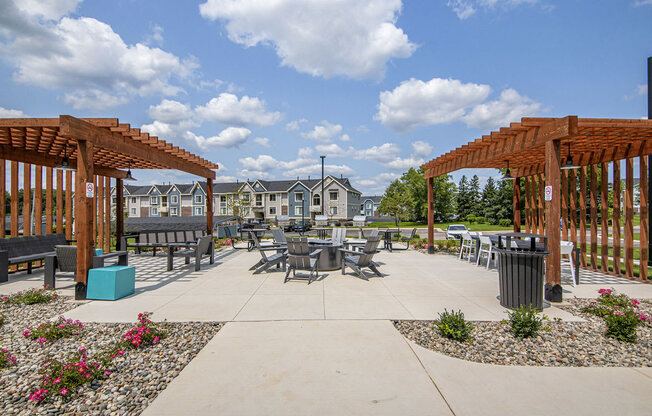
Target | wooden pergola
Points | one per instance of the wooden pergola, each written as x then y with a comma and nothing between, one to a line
534,150
98,149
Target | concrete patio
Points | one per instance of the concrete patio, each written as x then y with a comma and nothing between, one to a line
330,348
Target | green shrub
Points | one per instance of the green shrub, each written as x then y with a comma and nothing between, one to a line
52,331
470,218
452,325
504,222
622,325
525,322
609,302
2,320
30,297
480,220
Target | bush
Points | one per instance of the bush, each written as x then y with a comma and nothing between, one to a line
6,359
622,325
609,302
525,322
470,218
2,320
30,297
52,331
504,222
480,220
144,332
452,325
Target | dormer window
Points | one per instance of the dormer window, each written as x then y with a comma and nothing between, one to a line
198,199
153,200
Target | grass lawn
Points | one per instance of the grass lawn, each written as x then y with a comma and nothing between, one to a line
474,226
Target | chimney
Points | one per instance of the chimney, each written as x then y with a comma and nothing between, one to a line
308,177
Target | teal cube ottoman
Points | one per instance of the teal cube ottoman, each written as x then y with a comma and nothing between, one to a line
99,251
111,282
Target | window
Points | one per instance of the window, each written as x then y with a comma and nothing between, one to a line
115,200
272,197
298,196
333,195
173,212
223,199
246,196
133,200
198,199
316,199
174,199
259,200
223,211
333,210
153,200
272,210
199,210
133,211
164,201
298,211
154,211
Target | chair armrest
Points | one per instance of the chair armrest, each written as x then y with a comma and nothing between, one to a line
343,250
316,252
270,248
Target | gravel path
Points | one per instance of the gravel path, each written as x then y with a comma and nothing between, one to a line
567,344
134,383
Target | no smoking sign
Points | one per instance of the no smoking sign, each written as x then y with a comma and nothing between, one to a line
547,193
90,189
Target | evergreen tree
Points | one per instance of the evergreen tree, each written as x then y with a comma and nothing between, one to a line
504,200
489,208
443,193
475,198
463,201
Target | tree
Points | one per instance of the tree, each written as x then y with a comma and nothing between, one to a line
239,203
463,201
489,194
443,197
475,198
417,188
397,201
505,200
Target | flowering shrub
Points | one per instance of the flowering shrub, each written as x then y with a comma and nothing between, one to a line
62,378
51,331
2,320
30,297
420,245
6,359
222,242
144,332
620,314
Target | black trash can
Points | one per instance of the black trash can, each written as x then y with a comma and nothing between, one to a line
521,278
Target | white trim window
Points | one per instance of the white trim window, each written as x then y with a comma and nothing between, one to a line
153,200
174,199
272,210
298,211
272,197
223,199
133,211
198,199
223,211
133,199
199,210
333,195
154,211
173,211
298,196
333,210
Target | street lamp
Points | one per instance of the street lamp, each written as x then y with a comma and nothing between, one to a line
322,185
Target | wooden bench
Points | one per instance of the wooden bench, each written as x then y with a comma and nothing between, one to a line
18,250
161,239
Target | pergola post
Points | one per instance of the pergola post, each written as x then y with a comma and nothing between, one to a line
209,206
3,192
431,216
83,216
516,196
553,290
119,213
644,237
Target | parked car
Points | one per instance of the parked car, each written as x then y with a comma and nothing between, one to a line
254,224
298,226
455,231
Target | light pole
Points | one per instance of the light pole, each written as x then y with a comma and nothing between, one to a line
322,184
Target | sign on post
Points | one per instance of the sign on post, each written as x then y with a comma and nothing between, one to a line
548,193
90,189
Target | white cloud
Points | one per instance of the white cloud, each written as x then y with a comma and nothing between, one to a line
362,129
156,37
643,3
345,138
421,149
262,141
323,132
403,164
10,113
260,163
354,38
229,137
315,170
466,8
510,107
294,124
84,56
418,103
305,152
171,119
331,150
94,99
224,179
228,109
383,153
640,89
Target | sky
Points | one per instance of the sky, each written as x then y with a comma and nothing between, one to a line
264,87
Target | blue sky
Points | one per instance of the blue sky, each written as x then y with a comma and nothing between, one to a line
264,87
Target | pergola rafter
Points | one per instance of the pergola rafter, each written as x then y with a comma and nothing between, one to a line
94,147
536,147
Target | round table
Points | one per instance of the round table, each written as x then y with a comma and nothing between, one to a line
330,257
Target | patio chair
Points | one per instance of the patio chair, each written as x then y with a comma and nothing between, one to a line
204,247
279,237
278,259
467,245
357,260
339,236
567,250
232,239
299,257
485,247
407,237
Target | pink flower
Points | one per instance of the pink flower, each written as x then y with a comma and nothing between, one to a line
120,352
41,340
635,303
88,375
107,372
27,333
56,380
619,313
156,339
63,391
4,298
82,349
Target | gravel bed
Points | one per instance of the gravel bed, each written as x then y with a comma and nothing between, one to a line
567,344
136,378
